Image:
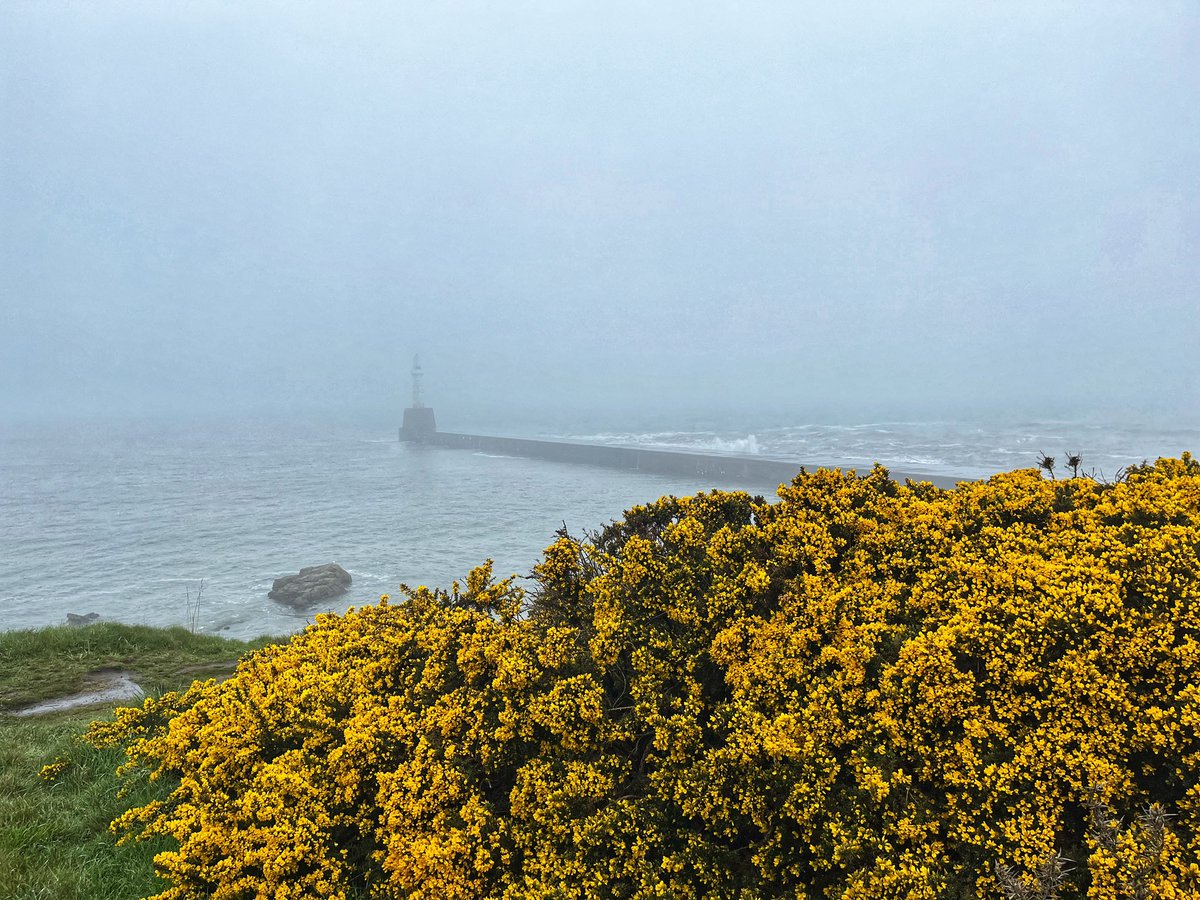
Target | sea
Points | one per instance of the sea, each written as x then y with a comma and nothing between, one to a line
188,522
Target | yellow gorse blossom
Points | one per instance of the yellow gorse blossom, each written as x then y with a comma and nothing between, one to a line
863,690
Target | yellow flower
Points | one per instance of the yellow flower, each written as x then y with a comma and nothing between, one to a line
863,690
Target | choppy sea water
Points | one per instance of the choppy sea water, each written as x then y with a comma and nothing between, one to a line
134,520
960,449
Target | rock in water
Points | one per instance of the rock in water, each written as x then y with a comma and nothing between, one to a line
77,621
311,586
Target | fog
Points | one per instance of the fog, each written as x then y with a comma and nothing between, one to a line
813,210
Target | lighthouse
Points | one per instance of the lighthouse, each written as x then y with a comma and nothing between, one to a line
419,424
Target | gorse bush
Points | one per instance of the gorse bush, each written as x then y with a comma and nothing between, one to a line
863,690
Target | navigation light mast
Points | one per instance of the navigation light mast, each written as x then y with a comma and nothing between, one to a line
416,380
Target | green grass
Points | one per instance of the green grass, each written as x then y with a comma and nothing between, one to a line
50,662
54,838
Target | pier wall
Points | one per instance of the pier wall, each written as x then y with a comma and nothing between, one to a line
659,462
763,473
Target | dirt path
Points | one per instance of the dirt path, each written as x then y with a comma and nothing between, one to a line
104,686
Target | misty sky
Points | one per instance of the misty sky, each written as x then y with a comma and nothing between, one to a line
812,208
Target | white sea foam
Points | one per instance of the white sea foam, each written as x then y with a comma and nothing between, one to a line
747,446
694,442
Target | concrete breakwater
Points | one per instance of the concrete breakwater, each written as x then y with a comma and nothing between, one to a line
755,471
659,462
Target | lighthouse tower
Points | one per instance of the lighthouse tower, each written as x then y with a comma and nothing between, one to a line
419,424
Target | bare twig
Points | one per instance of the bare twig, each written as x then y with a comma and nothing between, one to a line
1047,463
193,607
1074,461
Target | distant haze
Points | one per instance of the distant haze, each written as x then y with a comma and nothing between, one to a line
815,209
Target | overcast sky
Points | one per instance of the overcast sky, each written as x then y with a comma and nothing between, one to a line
814,208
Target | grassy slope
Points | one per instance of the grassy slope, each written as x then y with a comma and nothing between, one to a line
54,840
50,662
